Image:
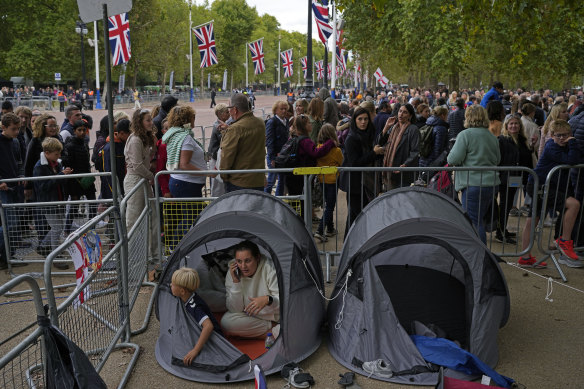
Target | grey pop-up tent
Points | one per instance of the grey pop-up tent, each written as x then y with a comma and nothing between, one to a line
413,257
282,237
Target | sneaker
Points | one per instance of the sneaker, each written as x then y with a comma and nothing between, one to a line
531,262
567,248
514,212
378,368
525,211
509,234
320,236
331,232
549,222
575,263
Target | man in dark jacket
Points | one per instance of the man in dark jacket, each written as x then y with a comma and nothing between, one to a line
168,102
383,113
276,137
456,119
9,168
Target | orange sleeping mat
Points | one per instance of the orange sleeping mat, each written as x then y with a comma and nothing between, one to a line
252,347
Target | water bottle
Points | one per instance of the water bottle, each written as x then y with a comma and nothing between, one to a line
269,341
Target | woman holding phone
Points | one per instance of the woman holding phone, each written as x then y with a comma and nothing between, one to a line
253,298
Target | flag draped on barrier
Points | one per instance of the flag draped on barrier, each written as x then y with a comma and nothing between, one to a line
321,16
206,41
287,62
257,55
119,37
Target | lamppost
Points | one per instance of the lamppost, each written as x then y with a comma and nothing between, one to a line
81,29
275,77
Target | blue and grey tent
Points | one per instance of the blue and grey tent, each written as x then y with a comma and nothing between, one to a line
413,257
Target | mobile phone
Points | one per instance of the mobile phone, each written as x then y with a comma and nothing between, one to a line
237,273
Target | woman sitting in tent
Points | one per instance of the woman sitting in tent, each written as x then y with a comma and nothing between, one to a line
253,299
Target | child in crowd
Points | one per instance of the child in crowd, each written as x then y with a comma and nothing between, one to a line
185,281
51,190
562,149
333,158
76,156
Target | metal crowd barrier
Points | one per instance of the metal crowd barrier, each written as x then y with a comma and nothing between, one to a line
509,244
553,215
36,222
180,211
22,366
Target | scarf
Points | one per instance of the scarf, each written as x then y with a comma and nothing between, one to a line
174,139
395,136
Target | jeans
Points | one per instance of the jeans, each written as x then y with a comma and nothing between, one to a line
229,187
330,199
185,212
476,201
272,178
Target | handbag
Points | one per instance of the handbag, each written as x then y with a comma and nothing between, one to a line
86,182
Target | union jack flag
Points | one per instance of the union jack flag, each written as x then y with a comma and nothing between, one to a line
206,41
341,58
287,62
303,61
257,55
119,38
321,18
319,70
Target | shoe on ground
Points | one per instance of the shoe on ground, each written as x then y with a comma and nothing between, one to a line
531,262
575,263
525,211
509,234
504,239
514,212
320,236
378,368
567,248
549,222
331,232
298,379
61,265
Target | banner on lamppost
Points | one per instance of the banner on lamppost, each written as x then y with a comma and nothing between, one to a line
171,81
122,81
225,80
208,80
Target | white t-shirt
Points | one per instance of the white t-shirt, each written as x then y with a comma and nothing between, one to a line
64,135
197,159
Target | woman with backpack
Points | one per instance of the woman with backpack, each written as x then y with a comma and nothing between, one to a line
433,145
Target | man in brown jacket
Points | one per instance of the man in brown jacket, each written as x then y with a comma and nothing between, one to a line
243,147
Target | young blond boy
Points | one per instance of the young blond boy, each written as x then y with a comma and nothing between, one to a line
185,281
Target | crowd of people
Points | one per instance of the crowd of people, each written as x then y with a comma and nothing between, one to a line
389,128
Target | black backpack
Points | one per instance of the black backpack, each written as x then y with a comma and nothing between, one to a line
426,140
99,159
287,157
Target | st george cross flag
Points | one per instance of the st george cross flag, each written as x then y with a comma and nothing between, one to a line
321,17
287,62
206,41
319,70
380,77
328,71
119,38
303,61
257,55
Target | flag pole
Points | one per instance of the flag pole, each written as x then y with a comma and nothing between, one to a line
246,72
334,63
201,25
279,54
95,44
192,100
